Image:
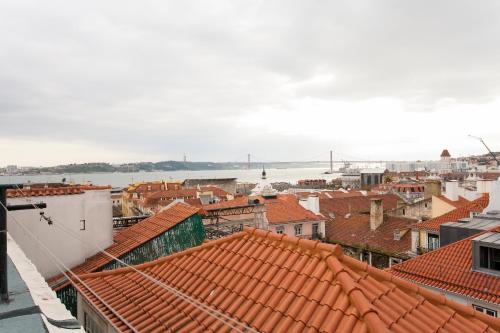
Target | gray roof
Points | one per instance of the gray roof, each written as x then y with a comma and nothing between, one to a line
489,237
20,300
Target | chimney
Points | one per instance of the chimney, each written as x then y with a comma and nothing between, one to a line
376,213
313,204
452,190
483,186
432,187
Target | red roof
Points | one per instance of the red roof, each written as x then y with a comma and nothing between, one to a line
464,211
445,153
53,191
458,203
355,231
333,194
275,283
286,208
343,206
239,201
131,238
449,268
283,208
187,192
489,175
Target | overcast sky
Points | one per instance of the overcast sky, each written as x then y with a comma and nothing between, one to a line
121,81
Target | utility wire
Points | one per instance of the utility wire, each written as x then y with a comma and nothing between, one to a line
201,306
61,264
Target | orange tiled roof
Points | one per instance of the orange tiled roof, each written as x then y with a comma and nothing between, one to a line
449,268
489,175
283,208
275,283
464,211
286,208
355,231
458,203
358,204
53,191
239,201
145,187
333,194
131,238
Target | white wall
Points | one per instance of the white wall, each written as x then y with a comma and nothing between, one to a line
95,207
451,191
494,203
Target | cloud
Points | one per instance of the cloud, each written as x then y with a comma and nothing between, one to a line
218,79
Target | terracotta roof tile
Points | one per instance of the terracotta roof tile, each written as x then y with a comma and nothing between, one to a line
323,291
357,204
355,231
283,208
455,203
38,191
464,211
449,268
129,239
334,194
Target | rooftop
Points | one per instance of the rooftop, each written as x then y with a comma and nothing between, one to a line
486,221
53,191
445,153
450,268
455,203
274,282
129,239
464,211
356,204
283,208
355,231
32,302
187,192
333,194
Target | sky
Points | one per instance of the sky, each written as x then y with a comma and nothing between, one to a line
127,81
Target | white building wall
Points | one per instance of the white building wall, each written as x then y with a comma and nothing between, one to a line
95,207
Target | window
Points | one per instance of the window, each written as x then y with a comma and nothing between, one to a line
432,242
404,212
315,230
484,310
489,258
365,256
280,229
394,261
397,235
298,229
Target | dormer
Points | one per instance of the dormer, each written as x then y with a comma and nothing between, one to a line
486,253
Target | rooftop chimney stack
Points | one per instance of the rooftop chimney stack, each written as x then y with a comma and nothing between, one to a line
376,213
452,190
432,187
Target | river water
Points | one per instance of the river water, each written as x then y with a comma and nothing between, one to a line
122,179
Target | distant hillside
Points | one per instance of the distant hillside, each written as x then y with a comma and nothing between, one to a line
161,166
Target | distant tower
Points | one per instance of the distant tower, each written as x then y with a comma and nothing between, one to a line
445,156
185,159
445,163
248,165
263,172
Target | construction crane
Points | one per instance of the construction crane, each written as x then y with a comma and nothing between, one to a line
482,141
